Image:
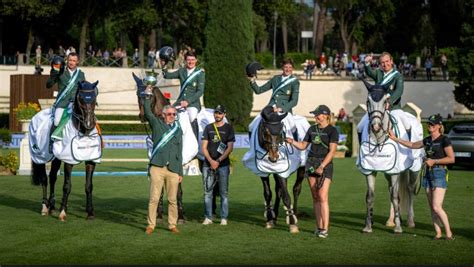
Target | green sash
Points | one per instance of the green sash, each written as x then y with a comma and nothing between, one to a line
165,138
70,85
283,84
188,80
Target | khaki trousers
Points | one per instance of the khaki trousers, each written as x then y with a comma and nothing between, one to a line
162,176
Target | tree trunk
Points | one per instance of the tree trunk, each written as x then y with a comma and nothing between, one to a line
315,22
284,33
344,35
152,39
83,38
354,48
263,46
141,49
29,44
320,29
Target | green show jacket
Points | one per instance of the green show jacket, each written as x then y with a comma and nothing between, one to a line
286,98
194,89
171,154
63,81
395,86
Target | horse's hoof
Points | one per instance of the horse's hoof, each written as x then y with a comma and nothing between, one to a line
181,221
390,224
411,225
90,217
269,225
159,220
44,210
294,229
62,216
398,230
367,230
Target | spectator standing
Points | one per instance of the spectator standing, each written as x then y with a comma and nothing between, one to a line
444,66
136,58
150,58
38,55
61,52
322,62
217,143
428,67
50,54
106,56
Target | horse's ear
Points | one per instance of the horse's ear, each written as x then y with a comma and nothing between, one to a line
137,80
385,87
367,85
95,84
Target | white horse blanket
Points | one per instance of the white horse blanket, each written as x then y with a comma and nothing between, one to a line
74,148
190,144
290,158
391,157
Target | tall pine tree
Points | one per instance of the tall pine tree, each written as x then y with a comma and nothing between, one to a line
229,47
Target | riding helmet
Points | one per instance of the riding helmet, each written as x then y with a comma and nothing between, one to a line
58,64
166,53
252,68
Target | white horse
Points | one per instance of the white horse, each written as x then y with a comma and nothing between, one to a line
380,154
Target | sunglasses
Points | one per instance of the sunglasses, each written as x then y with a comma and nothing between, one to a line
170,114
218,112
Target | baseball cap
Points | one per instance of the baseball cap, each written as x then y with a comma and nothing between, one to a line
220,108
435,119
321,109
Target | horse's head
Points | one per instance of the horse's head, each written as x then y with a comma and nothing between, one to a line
84,106
158,99
271,132
379,120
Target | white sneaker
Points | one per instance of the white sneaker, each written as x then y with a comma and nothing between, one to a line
207,221
224,222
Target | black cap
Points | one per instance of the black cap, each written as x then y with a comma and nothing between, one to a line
321,109
435,119
220,108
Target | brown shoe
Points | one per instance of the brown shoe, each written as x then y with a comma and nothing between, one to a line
174,230
149,230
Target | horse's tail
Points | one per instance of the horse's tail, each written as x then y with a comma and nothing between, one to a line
403,191
38,174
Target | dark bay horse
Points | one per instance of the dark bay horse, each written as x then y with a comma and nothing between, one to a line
271,138
158,102
84,121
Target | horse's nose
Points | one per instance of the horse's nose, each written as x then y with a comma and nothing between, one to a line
375,127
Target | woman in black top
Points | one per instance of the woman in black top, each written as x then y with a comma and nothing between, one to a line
323,138
439,153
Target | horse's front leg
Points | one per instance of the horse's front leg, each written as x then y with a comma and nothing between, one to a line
267,195
66,190
290,215
297,188
369,201
53,177
90,167
393,186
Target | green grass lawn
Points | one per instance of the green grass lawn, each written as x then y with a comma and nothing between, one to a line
117,234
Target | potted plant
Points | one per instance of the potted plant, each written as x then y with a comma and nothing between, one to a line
24,112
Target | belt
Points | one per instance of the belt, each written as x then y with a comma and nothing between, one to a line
438,166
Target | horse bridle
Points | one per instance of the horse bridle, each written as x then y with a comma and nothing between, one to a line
80,117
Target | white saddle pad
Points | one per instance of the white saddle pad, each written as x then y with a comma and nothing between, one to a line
39,133
256,161
75,148
391,158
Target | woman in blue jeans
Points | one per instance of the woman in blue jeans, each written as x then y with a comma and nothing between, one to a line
439,153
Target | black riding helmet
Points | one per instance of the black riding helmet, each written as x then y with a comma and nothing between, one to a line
58,64
252,68
166,53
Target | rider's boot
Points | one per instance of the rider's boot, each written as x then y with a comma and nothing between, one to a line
51,141
195,127
409,133
359,137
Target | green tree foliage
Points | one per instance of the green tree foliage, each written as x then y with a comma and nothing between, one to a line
464,62
229,37
31,12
